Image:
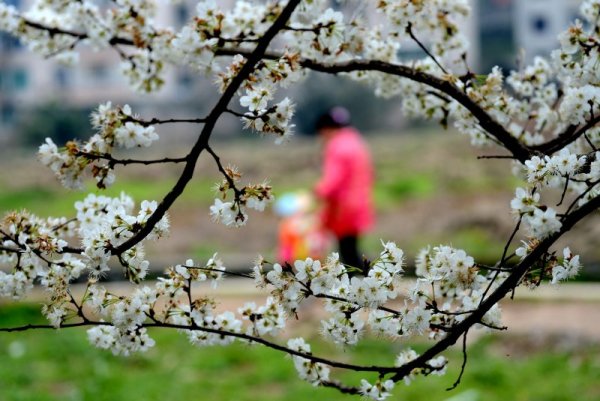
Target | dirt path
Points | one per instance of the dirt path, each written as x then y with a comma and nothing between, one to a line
573,320
570,313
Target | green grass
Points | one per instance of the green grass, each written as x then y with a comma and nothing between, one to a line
390,191
57,201
477,241
60,365
408,167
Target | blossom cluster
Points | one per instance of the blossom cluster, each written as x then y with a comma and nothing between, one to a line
38,249
234,212
117,128
438,21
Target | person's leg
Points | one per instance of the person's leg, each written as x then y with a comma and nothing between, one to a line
349,254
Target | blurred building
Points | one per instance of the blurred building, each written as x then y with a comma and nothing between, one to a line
496,34
27,80
538,22
515,31
498,29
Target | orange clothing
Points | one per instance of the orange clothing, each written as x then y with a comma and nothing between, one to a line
300,238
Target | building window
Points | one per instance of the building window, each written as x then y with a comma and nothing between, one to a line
19,79
9,42
182,14
7,113
99,72
539,24
335,5
185,80
61,77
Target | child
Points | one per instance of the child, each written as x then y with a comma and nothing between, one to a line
299,234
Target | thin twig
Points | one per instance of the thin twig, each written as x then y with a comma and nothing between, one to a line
564,192
10,250
223,271
413,37
222,170
66,223
581,196
496,157
512,236
588,140
243,336
568,136
313,29
489,326
340,387
114,161
157,121
464,363
439,96
189,293
78,307
492,268
502,260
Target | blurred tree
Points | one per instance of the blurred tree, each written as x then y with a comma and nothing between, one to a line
52,120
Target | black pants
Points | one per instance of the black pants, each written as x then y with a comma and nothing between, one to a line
349,254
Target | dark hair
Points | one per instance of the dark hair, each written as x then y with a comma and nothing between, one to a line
336,117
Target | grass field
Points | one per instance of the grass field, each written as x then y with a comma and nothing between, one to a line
418,165
49,365
421,169
429,189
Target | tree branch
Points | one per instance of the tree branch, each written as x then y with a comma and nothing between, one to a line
497,131
157,121
79,35
570,135
503,289
242,336
464,363
188,172
422,46
113,161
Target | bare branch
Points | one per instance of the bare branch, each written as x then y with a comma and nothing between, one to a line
158,121
410,32
570,135
343,389
81,36
464,363
242,336
564,192
114,161
496,157
589,142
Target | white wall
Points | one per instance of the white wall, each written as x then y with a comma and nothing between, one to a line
538,22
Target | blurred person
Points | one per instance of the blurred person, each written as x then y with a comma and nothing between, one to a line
300,236
346,185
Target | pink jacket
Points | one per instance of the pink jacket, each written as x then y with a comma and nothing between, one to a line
346,184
